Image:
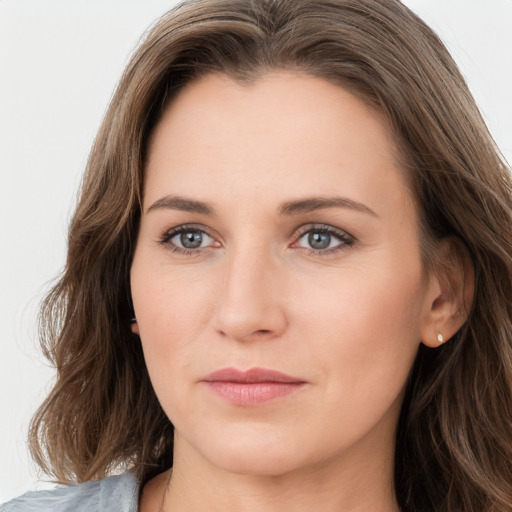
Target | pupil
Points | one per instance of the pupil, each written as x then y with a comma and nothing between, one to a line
191,239
319,240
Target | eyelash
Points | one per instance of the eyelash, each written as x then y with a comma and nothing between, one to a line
346,240
185,228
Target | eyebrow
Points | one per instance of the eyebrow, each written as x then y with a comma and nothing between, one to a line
181,203
298,207
312,204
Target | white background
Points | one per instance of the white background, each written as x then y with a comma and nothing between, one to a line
59,63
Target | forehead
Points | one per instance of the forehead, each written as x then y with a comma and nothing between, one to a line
282,134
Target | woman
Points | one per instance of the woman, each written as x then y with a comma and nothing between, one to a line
288,278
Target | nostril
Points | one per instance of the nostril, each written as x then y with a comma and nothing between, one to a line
260,333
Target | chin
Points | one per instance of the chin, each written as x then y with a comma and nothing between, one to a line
253,451
263,462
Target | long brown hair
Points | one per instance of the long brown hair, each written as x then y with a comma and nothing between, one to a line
454,438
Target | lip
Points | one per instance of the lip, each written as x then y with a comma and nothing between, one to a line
252,387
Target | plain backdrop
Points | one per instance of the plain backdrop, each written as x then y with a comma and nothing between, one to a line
59,63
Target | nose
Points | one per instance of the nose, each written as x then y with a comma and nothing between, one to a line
252,297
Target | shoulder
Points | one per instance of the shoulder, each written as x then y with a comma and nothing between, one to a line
116,493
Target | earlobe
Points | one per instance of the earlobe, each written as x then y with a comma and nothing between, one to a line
451,293
134,326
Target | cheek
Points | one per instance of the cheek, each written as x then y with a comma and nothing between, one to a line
365,325
378,296
361,336
173,308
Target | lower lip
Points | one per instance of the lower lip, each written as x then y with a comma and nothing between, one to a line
253,393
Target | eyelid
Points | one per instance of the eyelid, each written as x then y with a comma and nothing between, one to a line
320,226
166,237
170,232
346,239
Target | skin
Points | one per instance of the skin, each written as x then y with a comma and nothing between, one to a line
346,320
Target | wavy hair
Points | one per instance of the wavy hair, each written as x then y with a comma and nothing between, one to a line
454,437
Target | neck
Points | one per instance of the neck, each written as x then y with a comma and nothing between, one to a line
348,483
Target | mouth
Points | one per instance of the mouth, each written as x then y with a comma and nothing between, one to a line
252,387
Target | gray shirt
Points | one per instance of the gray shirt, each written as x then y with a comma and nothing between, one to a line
113,494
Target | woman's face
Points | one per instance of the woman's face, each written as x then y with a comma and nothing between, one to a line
278,236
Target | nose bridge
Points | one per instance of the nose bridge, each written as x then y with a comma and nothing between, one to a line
249,302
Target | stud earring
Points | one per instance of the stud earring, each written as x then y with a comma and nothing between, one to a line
440,338
133,320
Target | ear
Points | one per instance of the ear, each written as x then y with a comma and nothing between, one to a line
450,293
134,326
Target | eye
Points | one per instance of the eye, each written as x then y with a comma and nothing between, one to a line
187,239
324,239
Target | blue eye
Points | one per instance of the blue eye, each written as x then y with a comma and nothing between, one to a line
321,239
187,239
190,239
324,239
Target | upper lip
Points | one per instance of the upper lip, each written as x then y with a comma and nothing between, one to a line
252,375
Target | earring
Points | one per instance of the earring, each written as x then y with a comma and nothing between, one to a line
133,320
440,338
